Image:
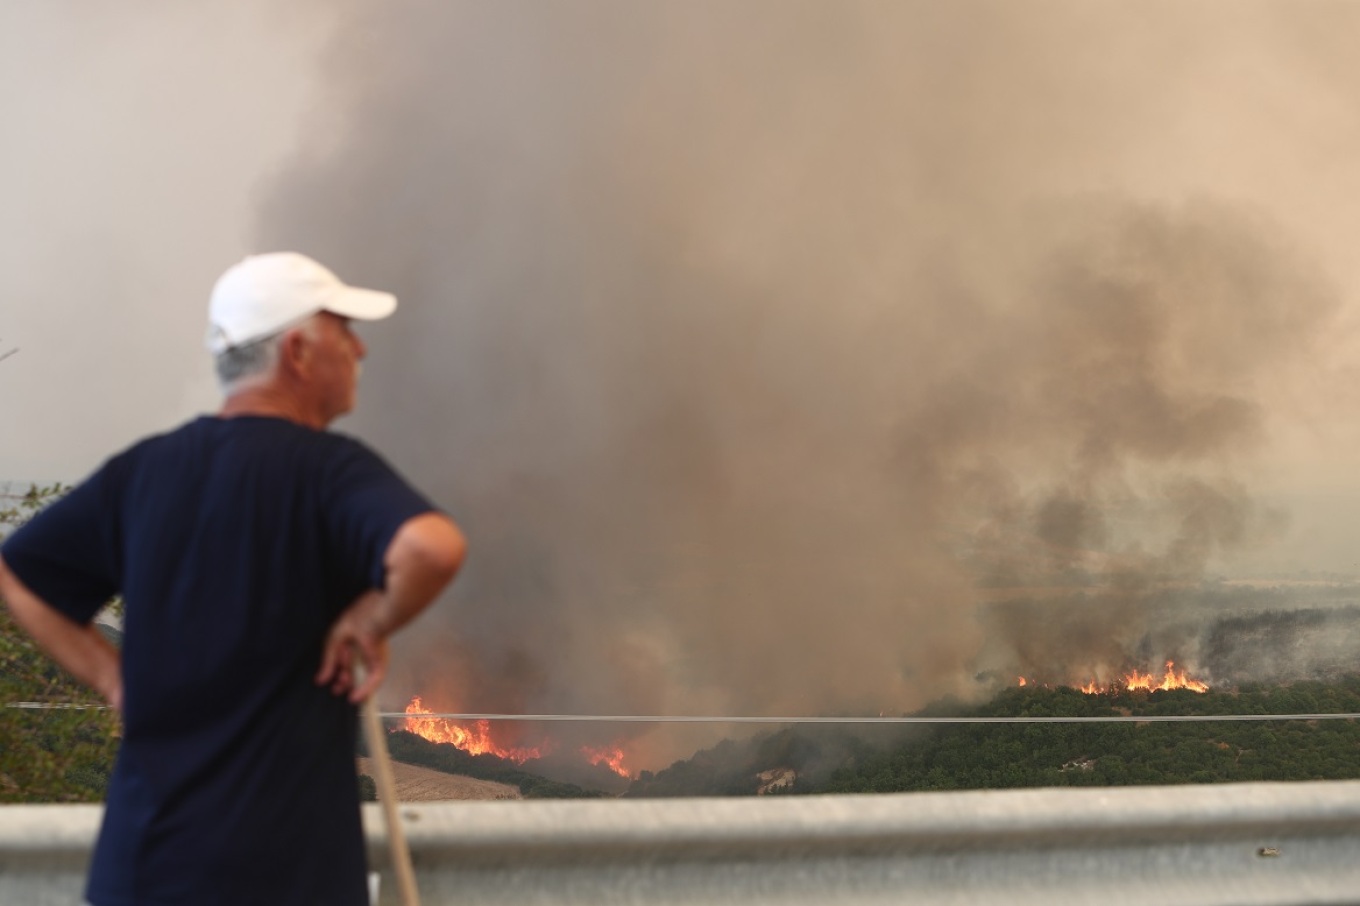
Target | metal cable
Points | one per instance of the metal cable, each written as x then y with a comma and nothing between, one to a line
750,719
684,718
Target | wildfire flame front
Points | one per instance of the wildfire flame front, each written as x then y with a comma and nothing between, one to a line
1148,682
609,756
474,737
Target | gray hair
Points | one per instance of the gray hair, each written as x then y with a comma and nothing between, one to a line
237,363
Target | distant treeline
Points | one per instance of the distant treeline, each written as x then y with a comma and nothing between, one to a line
833,759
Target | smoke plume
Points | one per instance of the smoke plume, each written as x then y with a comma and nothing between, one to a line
798,358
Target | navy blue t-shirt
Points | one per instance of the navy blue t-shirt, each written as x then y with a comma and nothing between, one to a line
235,544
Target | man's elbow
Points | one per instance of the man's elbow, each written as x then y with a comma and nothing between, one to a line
434,542
451,550
28,610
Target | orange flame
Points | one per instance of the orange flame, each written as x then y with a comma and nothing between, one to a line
1170,680
609,756
1135,681
474,738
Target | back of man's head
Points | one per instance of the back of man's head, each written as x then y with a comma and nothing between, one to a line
259,298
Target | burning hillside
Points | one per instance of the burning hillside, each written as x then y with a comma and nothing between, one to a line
483,736
474,737
736,367
1171,679
1134,681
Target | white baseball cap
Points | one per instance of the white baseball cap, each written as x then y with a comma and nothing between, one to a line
265,294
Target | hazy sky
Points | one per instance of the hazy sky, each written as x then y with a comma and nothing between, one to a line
134,143
138,145
745,338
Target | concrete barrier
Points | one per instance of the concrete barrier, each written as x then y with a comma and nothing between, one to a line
1203,845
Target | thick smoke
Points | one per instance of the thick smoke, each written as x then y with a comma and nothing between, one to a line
1279,646
793,358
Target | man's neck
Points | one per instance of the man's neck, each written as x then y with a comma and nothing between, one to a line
262,399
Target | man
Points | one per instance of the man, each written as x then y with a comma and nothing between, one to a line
256,553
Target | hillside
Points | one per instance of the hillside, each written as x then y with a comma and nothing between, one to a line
411,749
828,759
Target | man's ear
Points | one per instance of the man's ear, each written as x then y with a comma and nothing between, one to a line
295,353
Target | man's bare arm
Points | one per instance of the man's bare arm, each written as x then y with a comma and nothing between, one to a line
424,556
80,649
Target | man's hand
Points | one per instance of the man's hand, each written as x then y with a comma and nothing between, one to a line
424,556
354,660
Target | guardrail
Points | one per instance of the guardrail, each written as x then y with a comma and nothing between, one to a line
1269,843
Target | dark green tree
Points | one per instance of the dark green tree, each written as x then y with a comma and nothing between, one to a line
368,789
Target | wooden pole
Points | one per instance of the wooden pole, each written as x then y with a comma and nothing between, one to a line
387,795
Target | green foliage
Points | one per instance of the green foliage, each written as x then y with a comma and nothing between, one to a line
990,756
17,509
733,768
368,789
832,759
47,755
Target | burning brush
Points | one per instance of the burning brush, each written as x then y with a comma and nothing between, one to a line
1134,681
477,737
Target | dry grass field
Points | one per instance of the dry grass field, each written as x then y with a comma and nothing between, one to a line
415,784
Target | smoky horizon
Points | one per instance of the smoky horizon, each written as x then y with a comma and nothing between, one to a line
825,358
